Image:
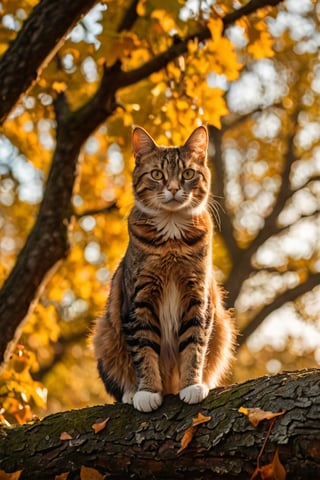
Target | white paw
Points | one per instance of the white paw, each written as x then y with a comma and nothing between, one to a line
146,401
127,397
194,393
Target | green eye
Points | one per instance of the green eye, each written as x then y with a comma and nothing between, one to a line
157,175
188,174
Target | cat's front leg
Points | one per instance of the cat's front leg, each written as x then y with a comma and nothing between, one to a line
143,339
149,396
193,340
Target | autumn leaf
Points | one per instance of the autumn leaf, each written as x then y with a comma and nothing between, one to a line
279,472
87,473
10,476
261,43
62,476
65,436
256,415
98,426
189,433
59,87
200,419
271,471
186,439
222,50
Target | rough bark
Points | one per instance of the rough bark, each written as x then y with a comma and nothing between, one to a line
36,43
136,445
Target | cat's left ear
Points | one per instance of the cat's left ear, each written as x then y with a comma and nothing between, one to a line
142,143
198,142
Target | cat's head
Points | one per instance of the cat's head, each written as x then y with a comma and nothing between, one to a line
171,178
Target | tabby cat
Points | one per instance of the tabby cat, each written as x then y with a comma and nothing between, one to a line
165,329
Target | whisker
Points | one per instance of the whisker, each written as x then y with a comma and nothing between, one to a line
214,206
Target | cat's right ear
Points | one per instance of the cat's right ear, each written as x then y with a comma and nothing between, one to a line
142,143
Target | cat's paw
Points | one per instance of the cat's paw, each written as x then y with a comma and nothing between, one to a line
194,393
127,397
146,401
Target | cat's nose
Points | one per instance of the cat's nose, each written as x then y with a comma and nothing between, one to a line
173,188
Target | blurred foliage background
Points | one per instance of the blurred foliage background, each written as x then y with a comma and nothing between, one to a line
256,84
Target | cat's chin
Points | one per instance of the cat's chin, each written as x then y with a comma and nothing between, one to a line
173,206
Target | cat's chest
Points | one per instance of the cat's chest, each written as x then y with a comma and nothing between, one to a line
171,227
170,310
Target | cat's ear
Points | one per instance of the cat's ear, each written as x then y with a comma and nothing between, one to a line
198,142
142,143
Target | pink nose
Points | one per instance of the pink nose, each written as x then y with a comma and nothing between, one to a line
173,188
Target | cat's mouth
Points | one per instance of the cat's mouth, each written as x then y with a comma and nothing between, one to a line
173,204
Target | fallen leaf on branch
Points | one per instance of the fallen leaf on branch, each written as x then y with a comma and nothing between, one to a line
189,433
98,426
256,415
186,439
10,476
65,436
272,471
87,473
62,476
200,419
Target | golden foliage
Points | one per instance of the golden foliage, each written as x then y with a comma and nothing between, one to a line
170,101
19,393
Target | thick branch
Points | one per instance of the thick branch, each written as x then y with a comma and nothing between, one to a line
47,242
136,445
36,43
288,296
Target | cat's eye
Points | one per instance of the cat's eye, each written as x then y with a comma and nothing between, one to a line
157,175
188,174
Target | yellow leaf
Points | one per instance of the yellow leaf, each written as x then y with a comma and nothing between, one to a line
87,473
98,426
279,472
256,415
262,47
225,60
260,40
200,419
59,86
189,433
186,438
165,20
141,8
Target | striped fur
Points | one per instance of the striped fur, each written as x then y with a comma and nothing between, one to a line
165,329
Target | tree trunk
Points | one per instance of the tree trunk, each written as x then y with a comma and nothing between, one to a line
36,43
136,445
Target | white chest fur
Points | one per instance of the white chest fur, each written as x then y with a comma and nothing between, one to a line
170,312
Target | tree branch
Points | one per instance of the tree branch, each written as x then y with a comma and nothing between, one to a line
181,47
243,267
139,445
216,136
47,243
129,18
36,43
288,296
